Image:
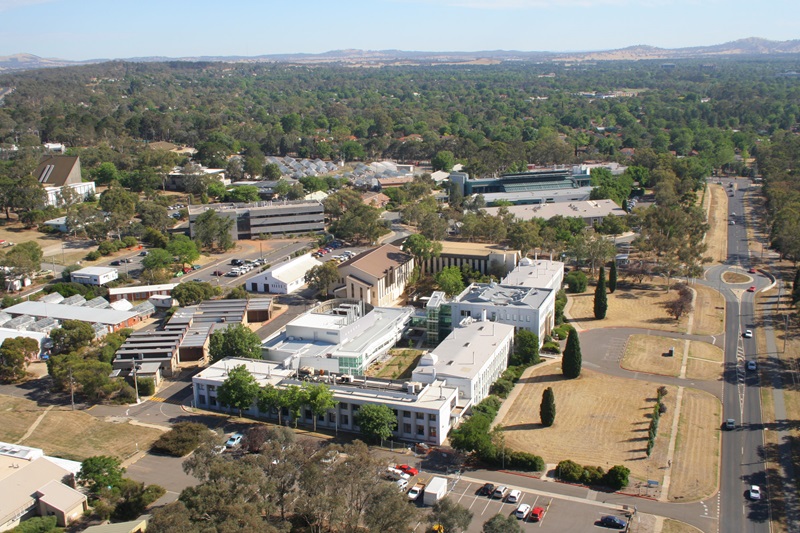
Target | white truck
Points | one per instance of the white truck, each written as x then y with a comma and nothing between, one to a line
416,491
435,490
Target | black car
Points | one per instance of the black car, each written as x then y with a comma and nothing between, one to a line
487,490
613,522
115,263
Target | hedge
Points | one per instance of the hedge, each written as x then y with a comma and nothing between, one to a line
572,472
181,439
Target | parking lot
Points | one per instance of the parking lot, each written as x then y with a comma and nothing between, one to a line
560,513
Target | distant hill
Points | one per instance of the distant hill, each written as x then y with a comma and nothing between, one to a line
752,46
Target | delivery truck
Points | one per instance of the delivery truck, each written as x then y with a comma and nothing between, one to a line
435,490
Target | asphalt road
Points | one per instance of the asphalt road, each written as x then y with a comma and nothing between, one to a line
741,464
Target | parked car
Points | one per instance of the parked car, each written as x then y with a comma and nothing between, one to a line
536,514
115,263
748,334
416,491
752,271
234,440
614,522
751,289
487,489
196,267
522,511
144,253
730,423
410,470
197,280
754,493
219,273
514,496
402,484
500,492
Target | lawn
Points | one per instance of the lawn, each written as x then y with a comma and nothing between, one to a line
645,353
399,366
638,307
736,277
695,468
709,311
71,434
596,424
717,236
674,526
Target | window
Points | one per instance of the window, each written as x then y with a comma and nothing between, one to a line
406,414
345,420
420,416
406,428
420,430
343,405
201,386
432,431
212,388
212,400
332,418
201,399
432,417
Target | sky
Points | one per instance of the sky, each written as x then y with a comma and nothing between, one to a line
92,29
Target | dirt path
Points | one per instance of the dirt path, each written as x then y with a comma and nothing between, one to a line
34,425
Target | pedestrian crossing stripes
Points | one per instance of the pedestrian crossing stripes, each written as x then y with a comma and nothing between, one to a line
164,400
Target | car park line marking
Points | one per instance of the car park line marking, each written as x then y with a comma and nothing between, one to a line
463,493
487,505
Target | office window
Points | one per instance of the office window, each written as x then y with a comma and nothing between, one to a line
212,400
420,430
308,414
420,416
201,386
432,431
212,388
201,399
432,417
406,428
406,414
332,418
342,405
345,420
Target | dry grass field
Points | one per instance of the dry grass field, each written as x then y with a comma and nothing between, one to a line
645,353
709,311
695,468
674,526
595,423
640,307
717,236
71,434
736,277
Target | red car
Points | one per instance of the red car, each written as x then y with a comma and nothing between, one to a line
536,514
410,470
219,273
751,271
751,289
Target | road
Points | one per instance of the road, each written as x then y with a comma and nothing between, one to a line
741,464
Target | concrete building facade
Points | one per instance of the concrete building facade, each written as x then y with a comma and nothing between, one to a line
266,218
94,275
377,277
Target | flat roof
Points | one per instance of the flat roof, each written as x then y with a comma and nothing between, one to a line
533,272
585,209
503,295
377,261
577,193
71,312
94,271
290,270
142,288
467,349
472,248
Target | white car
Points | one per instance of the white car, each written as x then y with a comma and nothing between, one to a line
514,496
522,511
754,493
402,484
748,334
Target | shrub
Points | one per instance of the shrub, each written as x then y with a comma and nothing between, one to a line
617,477
8,301
181,439
592,475
107,248
513,373
130,241
94,255
576,281
501,387
552,347
37,524
569,471
489,406
126,394
147,386
524,461
562,331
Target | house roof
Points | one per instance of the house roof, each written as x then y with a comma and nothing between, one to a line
166,287
59,496
18,488
53,170
377,261
120,527
94,271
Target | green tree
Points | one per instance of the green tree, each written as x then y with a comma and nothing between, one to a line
576,281
100,472
421,248
154,216
158,258
120,206
294,398
389,512
194,292
321,277
272,172
612,277
443,160
243,194
501,523
450,281
239,390
796,287
14,355
213,230
236,340
72,334
377,421
320,399
547,410
617,477
571,360
526,347
184,248
451,516
105,173
269,398
38,524
600,296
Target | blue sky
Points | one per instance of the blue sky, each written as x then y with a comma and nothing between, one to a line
86,29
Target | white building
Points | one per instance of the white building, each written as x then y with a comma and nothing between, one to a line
471,358
339,335
94,275
527,308
536,274
284,278
425,411
591,211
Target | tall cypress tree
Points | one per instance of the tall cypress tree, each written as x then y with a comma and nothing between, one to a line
612,277
796,287
571,360
600,297
547,410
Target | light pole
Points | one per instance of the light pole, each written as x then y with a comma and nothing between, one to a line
135,381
